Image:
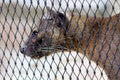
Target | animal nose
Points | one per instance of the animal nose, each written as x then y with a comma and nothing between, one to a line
22,50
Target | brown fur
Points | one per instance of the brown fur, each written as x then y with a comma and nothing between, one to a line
97,38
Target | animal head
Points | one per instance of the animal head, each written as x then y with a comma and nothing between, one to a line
47,37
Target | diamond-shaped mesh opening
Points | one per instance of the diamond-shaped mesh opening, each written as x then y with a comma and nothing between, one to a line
77,39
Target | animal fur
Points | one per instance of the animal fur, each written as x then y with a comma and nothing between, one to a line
95,37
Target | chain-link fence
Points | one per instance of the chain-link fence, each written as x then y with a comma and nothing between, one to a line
70,39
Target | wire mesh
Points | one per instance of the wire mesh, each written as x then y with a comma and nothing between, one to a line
90,22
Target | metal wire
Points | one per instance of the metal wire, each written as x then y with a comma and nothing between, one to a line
19,18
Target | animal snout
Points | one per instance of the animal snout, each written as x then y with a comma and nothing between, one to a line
22,49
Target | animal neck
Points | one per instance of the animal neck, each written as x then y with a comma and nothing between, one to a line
92,36
84,33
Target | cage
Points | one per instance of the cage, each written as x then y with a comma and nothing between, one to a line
93,26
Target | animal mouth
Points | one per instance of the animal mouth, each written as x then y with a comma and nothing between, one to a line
45,51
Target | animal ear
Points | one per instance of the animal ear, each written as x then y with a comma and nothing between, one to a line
50,13
59,18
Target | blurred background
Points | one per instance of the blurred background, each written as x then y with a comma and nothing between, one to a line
18,17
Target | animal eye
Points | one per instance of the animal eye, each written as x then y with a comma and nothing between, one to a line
35,33
50,19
